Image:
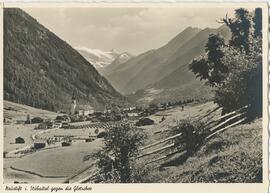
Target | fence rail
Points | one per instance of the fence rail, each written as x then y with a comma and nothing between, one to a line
231,119
231,125
213,127
162,141
157,150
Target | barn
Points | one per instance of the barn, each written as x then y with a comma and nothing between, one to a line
66,143
19,140
39,144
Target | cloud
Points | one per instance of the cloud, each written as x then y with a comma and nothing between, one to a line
127,29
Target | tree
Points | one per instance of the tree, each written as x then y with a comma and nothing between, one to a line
243,57
116,160
243,85
210,67
257,20
240,28
235,70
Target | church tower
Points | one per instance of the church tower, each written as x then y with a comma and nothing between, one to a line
73,105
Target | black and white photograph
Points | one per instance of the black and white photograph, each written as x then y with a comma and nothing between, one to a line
133,94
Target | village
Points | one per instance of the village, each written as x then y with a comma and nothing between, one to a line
77,127
89,119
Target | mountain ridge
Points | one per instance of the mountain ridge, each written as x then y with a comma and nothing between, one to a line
104,61
98,58
43,71
181,83
117,62
147,61
166,69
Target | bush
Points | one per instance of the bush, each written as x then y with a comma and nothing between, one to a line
193,135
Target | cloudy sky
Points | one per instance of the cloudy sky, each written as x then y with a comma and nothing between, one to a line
126,29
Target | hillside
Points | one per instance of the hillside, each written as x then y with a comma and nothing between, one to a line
182,83
119,77
185,55
232,156
14,112
43,71
143,69
166,69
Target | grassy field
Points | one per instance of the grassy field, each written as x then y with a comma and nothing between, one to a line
15,130
68,132
13,113
173,116
59,162
49,165
232,156
16,112
11,175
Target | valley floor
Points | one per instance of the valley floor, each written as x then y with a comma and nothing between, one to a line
234,155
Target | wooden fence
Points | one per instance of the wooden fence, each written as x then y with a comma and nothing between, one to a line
212,126
168,145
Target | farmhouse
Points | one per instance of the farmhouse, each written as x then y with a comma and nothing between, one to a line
101,134
133,115
42,126
81,112
19,140
64,118
107,111
39,144
129,109
48,124
58,124
145,121
65,125
89,140
132,108
66,143
86,110
37,120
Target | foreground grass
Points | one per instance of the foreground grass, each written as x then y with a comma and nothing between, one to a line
234,156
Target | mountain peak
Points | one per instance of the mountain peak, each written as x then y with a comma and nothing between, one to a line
184,35
207,29
96,57
191,28
113,50
103,59
157,67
